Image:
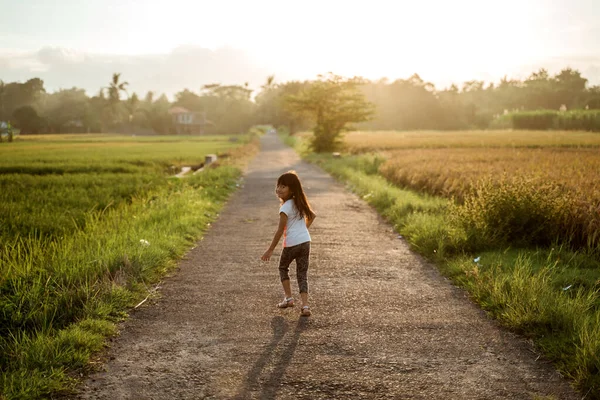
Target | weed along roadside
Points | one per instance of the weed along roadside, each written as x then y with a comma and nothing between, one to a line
521,247
93,224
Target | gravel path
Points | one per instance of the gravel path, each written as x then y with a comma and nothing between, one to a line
385,324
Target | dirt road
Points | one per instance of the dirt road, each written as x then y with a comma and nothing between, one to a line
385,324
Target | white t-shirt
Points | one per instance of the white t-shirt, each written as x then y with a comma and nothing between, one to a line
295,231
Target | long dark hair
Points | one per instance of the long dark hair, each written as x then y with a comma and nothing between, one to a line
291,180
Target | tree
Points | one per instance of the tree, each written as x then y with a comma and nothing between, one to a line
114,90
14,95
2,96
158,116
570,87
270,105
593,98
132,105
27,120
68,110
539,92
333,102
229,107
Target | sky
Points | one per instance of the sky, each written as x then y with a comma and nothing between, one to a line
167,46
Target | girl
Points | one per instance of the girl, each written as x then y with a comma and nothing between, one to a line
295,217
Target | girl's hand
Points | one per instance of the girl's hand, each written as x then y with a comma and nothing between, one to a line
267,255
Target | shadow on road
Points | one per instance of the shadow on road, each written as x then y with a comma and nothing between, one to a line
277,361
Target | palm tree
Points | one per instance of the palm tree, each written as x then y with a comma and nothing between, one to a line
115,88
114,95
269,84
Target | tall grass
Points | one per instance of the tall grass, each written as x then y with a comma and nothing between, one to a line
536,296
521,211
360,142
523,175
585,120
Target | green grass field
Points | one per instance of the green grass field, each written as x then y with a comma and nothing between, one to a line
511,216
50,183
89,224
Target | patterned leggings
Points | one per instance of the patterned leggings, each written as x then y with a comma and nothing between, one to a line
300,253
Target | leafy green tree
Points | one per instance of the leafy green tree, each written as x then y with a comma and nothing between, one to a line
268,107
14,95
133,106
333,102
159,117
508,95
570,87
2,99
404,104
149,97
452,109
68,110
271,105
228,107
592,101
539,91
27,120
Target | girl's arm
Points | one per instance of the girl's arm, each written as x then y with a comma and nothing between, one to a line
282,221
309,221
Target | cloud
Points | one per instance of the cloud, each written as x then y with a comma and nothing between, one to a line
59,55
191,67
187,67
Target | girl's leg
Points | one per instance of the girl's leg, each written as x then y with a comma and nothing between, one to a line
304,298
287,288
302,262
284,269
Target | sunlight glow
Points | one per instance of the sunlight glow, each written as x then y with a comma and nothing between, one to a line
439,40
380,39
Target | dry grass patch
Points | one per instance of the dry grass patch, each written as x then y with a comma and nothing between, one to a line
452,171
363,142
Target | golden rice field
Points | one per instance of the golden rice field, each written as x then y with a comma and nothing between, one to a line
362,142
451,164
449,172
448,163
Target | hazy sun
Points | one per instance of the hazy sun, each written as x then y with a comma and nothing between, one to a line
374,39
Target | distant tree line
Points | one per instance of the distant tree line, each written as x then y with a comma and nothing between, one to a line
408,104
113,109
415,104
400,105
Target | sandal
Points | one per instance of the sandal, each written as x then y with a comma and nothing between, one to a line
305,312
287,302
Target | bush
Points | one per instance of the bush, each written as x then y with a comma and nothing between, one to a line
586,120
501,122
27,120
535,120
519,211
579,120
